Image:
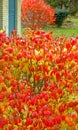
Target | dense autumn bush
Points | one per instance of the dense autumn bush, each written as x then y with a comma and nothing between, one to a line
36,14
38,82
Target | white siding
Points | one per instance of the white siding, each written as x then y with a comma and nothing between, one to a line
5,15
18,17
1,7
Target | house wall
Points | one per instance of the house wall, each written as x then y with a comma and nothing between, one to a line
18,16
5,15
12,15
1,12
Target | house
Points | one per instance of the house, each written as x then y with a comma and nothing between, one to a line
10,16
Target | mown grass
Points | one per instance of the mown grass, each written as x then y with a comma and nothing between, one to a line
67,32
69,28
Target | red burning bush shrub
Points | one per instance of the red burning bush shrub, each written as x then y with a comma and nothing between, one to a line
36,14
38,82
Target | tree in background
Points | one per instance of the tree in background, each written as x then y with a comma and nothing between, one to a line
71,5
36,14
59,3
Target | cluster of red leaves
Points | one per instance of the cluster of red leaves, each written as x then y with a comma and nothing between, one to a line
38,82
36,14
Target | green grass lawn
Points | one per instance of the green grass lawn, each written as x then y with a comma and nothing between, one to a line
63,31
68,29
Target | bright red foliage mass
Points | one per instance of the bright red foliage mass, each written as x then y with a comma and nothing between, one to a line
38,82
36,14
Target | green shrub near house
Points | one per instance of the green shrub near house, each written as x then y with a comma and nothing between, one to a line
60,16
